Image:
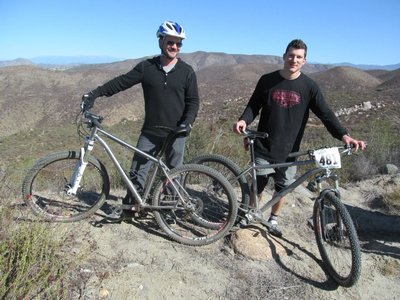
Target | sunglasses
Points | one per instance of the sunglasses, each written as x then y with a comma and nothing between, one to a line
171,43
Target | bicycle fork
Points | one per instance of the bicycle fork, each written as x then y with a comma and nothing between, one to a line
332,227
74,183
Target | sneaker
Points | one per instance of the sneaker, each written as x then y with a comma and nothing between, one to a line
273,228
243,223
115,215
127,199
118,214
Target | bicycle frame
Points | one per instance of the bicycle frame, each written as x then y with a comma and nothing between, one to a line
253,167
95,135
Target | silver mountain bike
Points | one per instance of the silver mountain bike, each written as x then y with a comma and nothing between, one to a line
72,185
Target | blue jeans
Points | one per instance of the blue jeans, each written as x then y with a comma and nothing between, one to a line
151,145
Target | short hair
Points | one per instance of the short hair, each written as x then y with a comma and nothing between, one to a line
297,44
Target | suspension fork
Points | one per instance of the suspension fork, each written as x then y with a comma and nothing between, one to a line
80,167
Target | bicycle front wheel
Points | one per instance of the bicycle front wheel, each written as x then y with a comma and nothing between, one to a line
46,183
337,239
197,205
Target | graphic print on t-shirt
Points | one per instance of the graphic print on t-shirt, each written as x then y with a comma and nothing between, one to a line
285,98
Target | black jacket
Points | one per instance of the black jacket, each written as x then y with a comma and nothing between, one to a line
170,98
284,106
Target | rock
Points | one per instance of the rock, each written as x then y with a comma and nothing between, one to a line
389,169
366,105
104,293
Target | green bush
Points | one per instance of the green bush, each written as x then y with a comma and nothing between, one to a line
381,136
217,138
35,257
31,262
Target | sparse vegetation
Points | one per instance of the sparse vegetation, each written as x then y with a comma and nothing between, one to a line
31,261
34,263
392,200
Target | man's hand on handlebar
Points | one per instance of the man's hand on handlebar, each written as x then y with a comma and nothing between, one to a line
185,129
348,140
239,127
87,101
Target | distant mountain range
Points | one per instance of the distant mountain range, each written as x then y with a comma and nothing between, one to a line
72,61
60,61
370,67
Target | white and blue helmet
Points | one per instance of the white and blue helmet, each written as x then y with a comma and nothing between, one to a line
172,29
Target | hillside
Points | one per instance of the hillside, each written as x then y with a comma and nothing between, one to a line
390,80
135,259
346,78
33,97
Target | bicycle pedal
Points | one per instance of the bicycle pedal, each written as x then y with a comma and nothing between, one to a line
243,223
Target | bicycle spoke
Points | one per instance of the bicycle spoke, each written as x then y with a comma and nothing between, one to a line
200,214
45,189
337,240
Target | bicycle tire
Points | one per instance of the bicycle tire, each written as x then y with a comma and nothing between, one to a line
337,239
44,188
231,171
203,214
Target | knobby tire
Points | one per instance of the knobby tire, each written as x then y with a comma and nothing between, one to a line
337,239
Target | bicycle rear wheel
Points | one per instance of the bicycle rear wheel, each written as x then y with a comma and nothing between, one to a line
192,210
231,171
337,239
45,185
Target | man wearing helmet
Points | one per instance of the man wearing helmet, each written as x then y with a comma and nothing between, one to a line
171,99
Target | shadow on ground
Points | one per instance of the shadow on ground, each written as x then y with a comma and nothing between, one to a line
378,232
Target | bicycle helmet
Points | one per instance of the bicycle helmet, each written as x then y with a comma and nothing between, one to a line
171,28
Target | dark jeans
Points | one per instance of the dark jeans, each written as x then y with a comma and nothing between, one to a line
152,144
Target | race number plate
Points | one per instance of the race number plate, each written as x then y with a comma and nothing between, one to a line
328,158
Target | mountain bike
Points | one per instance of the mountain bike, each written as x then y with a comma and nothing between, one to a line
72,185
334,230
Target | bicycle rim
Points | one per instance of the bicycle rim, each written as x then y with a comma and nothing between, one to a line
45,188
196,213
337,240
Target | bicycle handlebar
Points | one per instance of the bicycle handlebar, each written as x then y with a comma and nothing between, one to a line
93,119
96,120
252,134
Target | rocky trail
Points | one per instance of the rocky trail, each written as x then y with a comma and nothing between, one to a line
134,260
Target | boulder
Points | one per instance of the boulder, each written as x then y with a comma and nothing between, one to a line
389,169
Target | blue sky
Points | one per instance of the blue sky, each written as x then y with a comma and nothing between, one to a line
354,31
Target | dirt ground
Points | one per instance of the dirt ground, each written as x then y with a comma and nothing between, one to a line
134,260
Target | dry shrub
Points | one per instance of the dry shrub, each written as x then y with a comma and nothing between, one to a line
392,200
35,257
